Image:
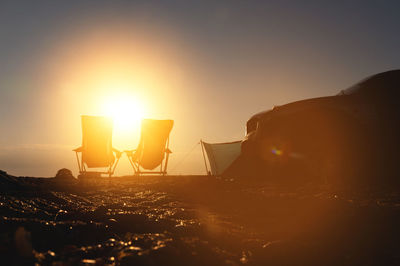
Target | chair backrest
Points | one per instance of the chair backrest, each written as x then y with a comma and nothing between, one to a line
97,141
153,142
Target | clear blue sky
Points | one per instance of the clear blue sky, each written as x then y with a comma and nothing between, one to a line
217,63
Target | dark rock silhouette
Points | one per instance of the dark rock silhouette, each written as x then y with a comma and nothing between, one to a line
350,138
65,175
8,182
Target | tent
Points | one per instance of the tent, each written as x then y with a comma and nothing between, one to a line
220,155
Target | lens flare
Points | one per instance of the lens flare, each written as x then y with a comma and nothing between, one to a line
276,151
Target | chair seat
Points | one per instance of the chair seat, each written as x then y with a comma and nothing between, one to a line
153,146
96,150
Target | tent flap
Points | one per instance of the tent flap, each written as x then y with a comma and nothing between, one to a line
221,155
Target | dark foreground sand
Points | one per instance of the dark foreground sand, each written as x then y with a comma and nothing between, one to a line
194,220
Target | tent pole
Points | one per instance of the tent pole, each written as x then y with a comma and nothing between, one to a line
204,157
166,159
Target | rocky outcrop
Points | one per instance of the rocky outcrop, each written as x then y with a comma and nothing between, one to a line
8,182
65,175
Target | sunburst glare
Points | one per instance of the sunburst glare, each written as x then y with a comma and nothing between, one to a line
127,111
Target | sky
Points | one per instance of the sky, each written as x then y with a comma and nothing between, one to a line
208,65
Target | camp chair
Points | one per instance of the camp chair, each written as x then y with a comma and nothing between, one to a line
152,148
96,150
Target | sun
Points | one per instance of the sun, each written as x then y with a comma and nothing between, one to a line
126,110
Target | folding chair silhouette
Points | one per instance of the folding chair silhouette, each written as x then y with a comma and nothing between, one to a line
96,150
152,148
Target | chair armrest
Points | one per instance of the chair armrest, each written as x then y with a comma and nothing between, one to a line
118,154
129,152
78,149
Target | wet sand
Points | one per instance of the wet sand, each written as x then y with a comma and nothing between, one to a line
195,220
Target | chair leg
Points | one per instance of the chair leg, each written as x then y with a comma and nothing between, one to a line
135,168
166,164
113,168
77,159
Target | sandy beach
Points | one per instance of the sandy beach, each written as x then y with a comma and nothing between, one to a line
197,220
